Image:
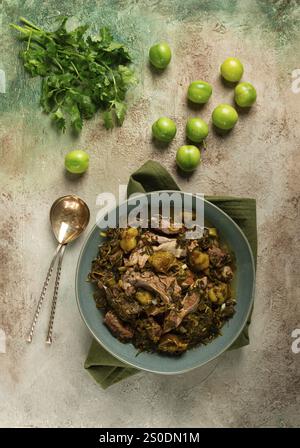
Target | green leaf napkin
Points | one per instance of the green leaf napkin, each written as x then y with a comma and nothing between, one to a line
152,176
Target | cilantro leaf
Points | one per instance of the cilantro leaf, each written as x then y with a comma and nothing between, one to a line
59,119
127,75
80,75
105,35
120,109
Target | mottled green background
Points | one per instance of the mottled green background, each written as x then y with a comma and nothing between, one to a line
256,386
271,24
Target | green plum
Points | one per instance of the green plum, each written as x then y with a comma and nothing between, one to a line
199,92
164,129
245,94
77,161
224,117
160,55
196,129
188,157
232,69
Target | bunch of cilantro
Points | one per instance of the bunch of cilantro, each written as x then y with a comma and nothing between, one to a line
80,75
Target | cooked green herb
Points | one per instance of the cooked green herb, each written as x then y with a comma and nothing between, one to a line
81,75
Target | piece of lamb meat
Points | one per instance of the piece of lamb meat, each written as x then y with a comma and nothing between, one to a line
172,247
175,317
227,274
117,327
191,245
171,285
151,237
138,257
163,225
149,281
218,257
153,329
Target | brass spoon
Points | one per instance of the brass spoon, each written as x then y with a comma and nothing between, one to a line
69,216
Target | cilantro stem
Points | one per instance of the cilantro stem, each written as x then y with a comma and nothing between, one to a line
71,53
74,66
19,28
58,64
113,77
29,40
30,24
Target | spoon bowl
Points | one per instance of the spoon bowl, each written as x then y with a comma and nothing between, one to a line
69,216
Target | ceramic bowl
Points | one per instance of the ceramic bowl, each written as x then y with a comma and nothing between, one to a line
244,283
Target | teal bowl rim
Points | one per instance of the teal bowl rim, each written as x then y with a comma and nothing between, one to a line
238,229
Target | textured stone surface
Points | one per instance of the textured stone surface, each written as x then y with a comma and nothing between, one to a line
256,386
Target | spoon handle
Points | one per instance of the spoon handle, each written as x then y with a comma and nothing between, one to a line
54,299
43,293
